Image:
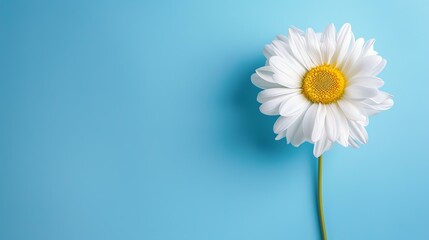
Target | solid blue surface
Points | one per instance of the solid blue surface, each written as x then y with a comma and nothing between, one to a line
137,120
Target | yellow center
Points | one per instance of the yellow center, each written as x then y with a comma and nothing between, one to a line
323,84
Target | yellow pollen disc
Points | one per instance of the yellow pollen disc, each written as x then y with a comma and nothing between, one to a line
323,84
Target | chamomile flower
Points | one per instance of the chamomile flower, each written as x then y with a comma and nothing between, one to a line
323,86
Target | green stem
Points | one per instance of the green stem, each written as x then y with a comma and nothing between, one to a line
319,199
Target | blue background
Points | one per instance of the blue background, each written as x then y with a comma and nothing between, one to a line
137,120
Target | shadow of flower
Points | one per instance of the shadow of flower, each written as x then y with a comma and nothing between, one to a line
247,129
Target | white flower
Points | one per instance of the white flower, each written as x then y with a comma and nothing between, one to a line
324,86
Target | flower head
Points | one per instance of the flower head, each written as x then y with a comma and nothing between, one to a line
324,86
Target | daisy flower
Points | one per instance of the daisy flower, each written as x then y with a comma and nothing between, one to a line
323,86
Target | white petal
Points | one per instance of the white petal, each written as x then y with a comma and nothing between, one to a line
368,48
277,48
294,105
353,55
269,51
321,146
359,92
266,73
352,143
297,46
298,30
309,120
281,135
280,65
271,107
261,83
284,123
328,43
330,124
371,82
283,74
381,97
364,66
298,137
313,47
358,132
341,124
344,38
351,111
381,102
294,65
294,133
379,67
374,109
289,58
319,123
269,94
282,38
281,46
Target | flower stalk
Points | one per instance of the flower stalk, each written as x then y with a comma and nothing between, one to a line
319,199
